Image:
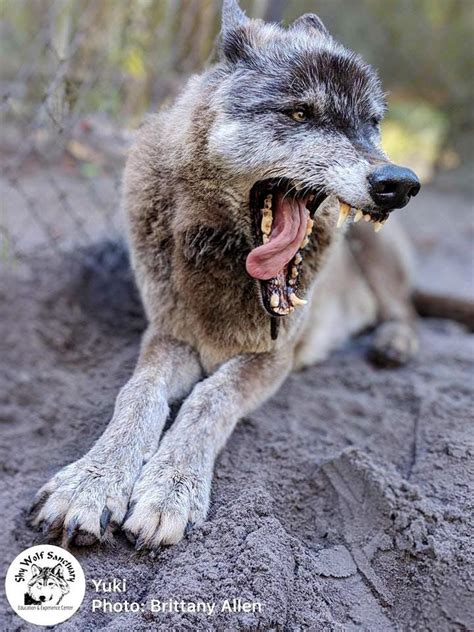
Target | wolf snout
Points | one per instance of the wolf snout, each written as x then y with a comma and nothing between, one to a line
391,186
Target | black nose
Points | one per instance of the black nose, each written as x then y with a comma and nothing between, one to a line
392,187
42,598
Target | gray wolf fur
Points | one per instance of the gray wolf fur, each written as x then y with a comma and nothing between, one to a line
46,585
282,105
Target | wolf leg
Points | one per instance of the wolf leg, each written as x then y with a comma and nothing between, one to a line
87,499
342,304
173,490
386,262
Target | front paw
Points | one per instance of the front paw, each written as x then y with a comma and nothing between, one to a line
87,500
171,496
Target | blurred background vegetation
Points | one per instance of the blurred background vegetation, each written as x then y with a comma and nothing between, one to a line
65,60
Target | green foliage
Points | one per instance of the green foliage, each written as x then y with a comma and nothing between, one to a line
127,57
413,134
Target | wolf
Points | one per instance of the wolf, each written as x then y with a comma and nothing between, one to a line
46,586
250,204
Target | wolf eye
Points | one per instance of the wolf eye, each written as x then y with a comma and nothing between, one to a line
299,115
375,121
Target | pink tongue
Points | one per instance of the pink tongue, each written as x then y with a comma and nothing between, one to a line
288,231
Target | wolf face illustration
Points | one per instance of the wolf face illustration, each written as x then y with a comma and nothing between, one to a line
46,586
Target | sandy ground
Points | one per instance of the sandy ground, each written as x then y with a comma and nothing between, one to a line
344,503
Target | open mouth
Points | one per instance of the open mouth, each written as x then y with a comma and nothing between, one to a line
376,216
282,222
283,219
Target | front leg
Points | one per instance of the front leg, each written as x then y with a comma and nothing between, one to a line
88,499
173,490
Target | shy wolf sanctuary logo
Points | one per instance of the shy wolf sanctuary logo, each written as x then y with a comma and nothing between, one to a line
45,585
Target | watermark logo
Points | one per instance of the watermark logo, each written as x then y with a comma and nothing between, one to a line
45,585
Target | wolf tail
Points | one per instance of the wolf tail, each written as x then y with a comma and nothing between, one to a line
439,306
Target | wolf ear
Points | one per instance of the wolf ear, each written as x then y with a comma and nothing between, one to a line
58,571
232,16
236,34
310,23
35,570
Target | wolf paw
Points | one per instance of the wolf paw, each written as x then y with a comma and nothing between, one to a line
169,498
86,501
395,343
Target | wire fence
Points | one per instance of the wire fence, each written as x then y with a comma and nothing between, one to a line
76,76
61,162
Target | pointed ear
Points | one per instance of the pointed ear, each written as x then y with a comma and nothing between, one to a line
58,570
237,34
232,16
311,24
35,570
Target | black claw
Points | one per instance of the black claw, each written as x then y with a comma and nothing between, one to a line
189,528
114,526
131,537
37,503
71,530
104,520
140,543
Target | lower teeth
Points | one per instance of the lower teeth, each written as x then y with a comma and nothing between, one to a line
275,297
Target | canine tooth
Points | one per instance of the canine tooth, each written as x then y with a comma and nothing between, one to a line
309,226
343,213
358,216
378,226
298,258
265,238
366,217
296,300
275,299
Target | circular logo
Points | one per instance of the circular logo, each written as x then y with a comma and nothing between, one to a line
45,585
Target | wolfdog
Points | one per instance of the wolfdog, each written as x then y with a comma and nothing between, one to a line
243,201
46,586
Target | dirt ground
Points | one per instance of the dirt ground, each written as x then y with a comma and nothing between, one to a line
344,503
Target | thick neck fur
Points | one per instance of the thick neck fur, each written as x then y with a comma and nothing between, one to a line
190,230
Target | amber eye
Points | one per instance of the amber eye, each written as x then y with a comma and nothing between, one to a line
299,115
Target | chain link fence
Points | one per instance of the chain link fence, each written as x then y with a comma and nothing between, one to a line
49,150
77,76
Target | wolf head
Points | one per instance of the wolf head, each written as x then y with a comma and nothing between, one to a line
296,116
296,104
47,585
